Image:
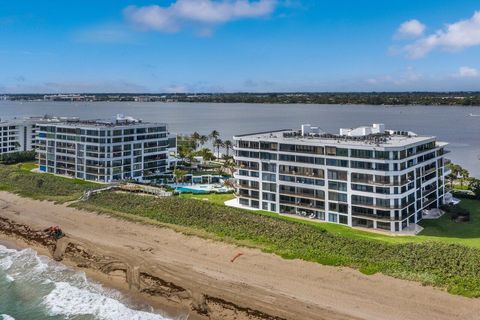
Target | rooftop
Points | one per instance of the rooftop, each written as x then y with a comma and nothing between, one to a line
119,121
375,136
36,119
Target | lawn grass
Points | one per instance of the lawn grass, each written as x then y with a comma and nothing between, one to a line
26,166
445,229
217,198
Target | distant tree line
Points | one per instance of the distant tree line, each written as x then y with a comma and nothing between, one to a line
370,98
410,98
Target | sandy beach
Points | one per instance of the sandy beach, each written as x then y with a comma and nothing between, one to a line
187,275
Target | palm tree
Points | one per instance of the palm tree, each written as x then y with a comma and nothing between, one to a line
206,154
203,139
218,143
456,171
179,174
228,145
230,166
214,135
195,139
465,175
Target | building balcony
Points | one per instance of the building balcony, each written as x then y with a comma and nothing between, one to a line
63,161
246,186
299,204
242,195
431,170
298,174
248,168
302,195
382,207
373,216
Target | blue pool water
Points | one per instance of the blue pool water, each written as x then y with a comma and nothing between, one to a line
192,190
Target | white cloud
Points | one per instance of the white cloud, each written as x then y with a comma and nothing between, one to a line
411,28
406,78
454,37
467,72
203,13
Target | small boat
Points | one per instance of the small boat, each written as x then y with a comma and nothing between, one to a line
474,115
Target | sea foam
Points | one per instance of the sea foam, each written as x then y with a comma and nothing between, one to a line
62,291
68,300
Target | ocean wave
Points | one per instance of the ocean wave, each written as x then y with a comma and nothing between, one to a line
10,278
63,291
5,257
6,317
68,300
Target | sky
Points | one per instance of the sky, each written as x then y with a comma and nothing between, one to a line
137,46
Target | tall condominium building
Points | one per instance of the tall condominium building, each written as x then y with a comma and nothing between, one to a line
366,177
104,151
20,134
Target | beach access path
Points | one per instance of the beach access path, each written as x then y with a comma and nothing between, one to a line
257,281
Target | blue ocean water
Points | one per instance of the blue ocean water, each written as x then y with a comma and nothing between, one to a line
34,287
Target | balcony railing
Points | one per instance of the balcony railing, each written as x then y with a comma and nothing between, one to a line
302,204
373,216
246,186
303,195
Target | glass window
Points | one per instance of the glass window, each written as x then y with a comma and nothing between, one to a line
331,151
287,147
337,175
332,217
340,186
337,163
358,153
341,152
270,167
336,196
286,157
382,155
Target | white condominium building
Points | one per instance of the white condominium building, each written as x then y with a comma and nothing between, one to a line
20,134
104,151
366,177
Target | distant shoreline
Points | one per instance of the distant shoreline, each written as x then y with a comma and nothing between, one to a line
340,98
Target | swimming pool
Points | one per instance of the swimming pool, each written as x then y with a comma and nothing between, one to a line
203,188
192,190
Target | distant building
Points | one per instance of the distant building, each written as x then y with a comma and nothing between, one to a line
20,134
69,97
104,151
365,177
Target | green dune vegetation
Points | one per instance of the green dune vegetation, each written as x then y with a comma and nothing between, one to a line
446,254
446,264
18,179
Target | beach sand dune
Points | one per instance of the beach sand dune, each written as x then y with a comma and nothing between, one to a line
190,275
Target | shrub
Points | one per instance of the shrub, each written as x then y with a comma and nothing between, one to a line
17,157
457,213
